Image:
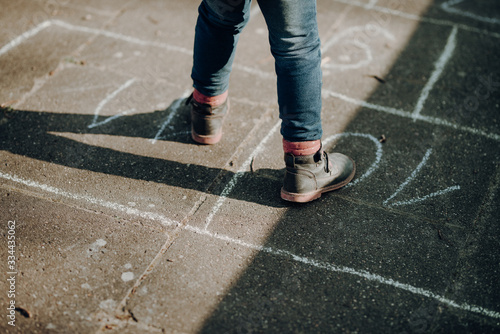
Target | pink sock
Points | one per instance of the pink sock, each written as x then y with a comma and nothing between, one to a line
301,147
213,101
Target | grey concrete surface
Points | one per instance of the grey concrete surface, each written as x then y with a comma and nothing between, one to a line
124,225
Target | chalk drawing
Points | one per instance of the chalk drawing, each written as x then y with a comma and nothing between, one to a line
241,171
421,199
18,40
265,75
89,199
273,251
438,70
346,270
412,177
111,118
83,89
174,109
448,7
378,153
121,37
407,114
278,252
108,98
418,18
172,135
356,37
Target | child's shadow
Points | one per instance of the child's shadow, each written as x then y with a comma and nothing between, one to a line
29,133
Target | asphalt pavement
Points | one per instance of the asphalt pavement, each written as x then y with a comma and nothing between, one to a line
114,221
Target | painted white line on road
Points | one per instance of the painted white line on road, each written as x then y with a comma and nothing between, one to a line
241,171
438,70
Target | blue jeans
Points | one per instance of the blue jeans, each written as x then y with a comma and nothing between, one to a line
295,45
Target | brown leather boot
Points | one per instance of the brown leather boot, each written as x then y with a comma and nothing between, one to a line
206,121
309,176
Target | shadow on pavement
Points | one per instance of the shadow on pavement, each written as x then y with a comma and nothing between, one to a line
30,134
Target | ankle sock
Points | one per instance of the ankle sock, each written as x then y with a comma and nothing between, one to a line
301,148
213,101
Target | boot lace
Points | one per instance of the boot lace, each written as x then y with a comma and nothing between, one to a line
327,162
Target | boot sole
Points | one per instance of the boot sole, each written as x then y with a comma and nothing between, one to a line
311,196
206,140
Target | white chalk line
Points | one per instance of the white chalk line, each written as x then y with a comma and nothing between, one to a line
414,17
121,37
438,70
278,252
421,199
241,171
110,205
378,154
82,89
448,7
347,34
24,36
174,109
168,222
346,270
412,176
410,179
30,33
406,114
174,134
111,118
265,75
44,25
108,98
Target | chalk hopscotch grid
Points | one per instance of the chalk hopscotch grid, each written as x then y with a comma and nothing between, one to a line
270,250
415,115
168,222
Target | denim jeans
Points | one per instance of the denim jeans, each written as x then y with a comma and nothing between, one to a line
295,45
